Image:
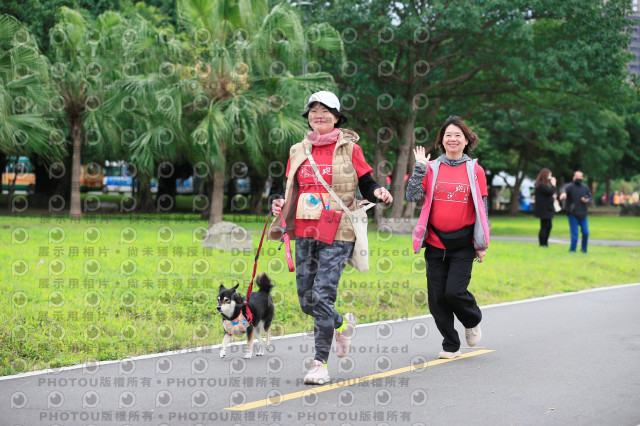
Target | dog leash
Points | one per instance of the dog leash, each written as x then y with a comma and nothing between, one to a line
286,240
249,315
255,261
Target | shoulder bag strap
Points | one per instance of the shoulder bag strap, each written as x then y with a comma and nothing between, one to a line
328,188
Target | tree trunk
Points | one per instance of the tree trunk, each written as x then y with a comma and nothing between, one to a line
145,197
217,197
607,191
520,173
207,189
257,189
76,168
514,199
515,193
167,186
490,194
401,166
410,207
380,175
380,171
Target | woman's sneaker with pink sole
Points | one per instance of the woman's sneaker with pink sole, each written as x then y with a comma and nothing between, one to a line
449,355
342,340
318,374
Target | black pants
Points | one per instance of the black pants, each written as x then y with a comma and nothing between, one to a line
545,230
448,276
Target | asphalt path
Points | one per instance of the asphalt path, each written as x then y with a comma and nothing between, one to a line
567,359
567,241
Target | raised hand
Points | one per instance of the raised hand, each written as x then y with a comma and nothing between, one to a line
419,153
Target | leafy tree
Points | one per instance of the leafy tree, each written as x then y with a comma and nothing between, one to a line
84,72
160,13
244,87
148,101
41,16
629,164
24,95
413,63
561,117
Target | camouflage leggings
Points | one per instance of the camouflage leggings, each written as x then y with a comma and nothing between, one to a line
318,269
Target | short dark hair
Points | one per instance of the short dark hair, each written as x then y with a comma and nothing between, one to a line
341,118
471,137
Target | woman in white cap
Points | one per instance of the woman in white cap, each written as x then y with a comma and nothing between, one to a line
322,250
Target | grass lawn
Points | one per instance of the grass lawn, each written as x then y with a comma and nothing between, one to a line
110,287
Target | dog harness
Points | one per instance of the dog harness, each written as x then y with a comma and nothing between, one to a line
239,325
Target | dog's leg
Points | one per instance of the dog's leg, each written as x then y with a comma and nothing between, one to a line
250,335
268,333
225,341
260,341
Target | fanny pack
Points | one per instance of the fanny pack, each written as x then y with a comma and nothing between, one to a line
455,240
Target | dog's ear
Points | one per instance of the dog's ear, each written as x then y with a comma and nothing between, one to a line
222,287
235,288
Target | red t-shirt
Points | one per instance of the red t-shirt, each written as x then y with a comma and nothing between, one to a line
452,207
308,182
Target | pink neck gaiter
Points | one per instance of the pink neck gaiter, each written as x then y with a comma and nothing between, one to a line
323,140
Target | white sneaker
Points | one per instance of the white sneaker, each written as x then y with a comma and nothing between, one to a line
473,335
318,374
449,355
342,340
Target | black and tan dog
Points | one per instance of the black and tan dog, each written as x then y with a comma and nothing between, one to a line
230,304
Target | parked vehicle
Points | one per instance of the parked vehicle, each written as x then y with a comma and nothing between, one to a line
117,178
197,185
91,176
20,170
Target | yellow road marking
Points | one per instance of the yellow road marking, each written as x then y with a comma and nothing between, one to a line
343,383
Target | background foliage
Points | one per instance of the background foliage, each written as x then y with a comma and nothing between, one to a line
543,82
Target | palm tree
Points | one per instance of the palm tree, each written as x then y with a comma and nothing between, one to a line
147,99
24,95
248,81
85,55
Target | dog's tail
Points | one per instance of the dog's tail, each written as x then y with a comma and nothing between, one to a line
264,282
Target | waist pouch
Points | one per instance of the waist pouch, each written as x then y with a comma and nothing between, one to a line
454,240
328,225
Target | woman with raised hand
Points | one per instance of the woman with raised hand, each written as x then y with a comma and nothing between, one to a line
453,229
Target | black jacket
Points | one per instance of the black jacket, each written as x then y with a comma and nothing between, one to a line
573,203
543,207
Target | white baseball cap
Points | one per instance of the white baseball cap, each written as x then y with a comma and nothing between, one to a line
326,98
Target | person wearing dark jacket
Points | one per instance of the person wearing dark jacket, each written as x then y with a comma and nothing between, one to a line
577,197
545,191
